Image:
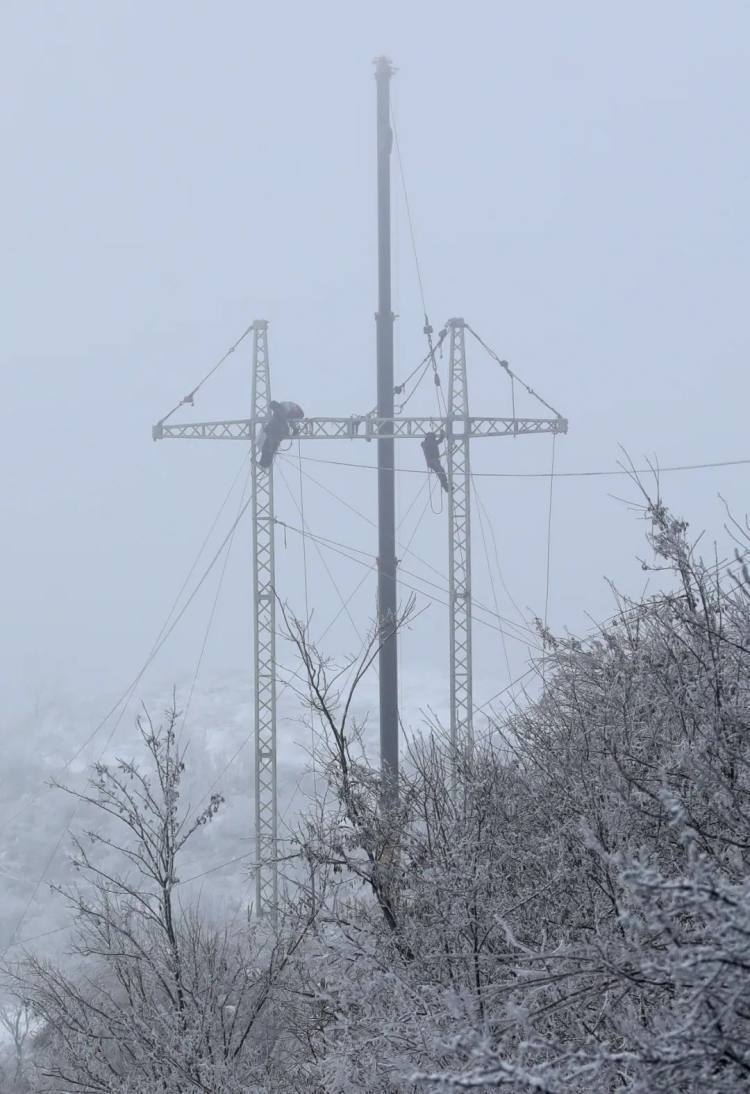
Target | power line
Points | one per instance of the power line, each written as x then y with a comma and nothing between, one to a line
304,531
406,550
304,541
126,694
482,507
546,474
158,645
428,331
492,582
503,690
407,204
212,614
332,623
343,550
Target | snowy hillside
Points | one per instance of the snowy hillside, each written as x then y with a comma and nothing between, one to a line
36,818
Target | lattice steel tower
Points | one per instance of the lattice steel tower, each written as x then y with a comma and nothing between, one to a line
264,633
458,432
384,427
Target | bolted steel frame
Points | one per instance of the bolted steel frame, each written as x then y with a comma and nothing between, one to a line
459,429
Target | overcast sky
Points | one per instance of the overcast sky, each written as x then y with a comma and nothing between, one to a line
578,175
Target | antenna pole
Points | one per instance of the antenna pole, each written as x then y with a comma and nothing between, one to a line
387,601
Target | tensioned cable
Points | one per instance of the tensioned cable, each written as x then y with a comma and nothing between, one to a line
407,204
414,555
503,690
623,613
325,564
428,330
409,508
344,607
327,541
344,549
424,364
298,675
191,394
513,375
128,691
483,508
58,843
543,474
492,580
137,679
304,541
212,614
478,709
307,602
421,517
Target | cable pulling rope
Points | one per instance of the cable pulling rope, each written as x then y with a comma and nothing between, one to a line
428,328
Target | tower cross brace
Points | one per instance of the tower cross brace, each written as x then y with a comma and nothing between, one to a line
459,429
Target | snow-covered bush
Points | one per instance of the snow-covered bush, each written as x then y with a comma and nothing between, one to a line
574,915
157,998
563,907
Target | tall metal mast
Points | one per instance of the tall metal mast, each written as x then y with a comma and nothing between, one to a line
387,595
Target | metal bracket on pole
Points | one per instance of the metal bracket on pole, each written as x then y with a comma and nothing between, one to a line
459,538
264,611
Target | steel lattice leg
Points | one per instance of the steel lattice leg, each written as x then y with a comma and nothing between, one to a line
266,884
459,521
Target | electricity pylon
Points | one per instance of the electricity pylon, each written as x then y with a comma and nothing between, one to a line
459,429
264,640
384,427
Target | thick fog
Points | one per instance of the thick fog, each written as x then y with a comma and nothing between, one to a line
578,179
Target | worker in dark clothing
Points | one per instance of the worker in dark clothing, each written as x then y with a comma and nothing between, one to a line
282,424
431,448
275,431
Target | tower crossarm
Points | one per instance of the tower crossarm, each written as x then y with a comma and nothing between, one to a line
361,428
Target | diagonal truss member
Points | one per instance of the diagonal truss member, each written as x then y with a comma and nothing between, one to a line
459,429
